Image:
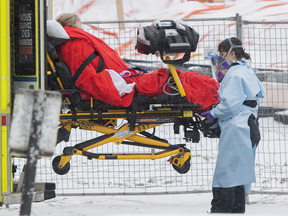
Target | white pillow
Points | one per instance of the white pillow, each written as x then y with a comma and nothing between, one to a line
56,30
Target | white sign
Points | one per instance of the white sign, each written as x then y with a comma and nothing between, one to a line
37,112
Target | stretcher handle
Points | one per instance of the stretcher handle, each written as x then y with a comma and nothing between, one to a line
176,78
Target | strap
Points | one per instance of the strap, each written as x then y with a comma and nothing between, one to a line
233,64
162,40
100,65
139,69
233,45
128,71
250,103
84,65
185,58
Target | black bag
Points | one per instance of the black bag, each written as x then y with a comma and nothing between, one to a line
255,136
167,37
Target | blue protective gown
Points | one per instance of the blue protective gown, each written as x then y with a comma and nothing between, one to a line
235,161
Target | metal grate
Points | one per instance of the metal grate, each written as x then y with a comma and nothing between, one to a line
267,45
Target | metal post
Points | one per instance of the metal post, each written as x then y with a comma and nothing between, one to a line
239,26
120,14
32,155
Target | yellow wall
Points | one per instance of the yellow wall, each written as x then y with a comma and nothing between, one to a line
5,55
5,102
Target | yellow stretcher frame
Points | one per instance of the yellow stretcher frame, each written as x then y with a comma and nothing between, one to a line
176,79
131,136
179,155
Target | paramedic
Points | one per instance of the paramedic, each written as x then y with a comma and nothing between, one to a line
239,95
96,77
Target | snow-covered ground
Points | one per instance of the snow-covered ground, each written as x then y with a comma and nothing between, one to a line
146,205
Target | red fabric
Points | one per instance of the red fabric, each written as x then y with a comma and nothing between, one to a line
200,89
150,84
99,85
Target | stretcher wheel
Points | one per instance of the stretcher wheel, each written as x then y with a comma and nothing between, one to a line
183,169
59,171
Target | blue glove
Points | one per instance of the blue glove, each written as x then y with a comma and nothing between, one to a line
208,115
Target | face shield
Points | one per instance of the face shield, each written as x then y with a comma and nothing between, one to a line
217,70
218,64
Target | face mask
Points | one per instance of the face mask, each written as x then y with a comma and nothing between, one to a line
225,63
220,75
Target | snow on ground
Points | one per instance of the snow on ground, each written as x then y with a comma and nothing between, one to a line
152,205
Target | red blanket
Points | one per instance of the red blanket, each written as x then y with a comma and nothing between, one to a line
200,89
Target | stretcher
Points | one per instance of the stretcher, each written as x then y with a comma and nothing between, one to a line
103,118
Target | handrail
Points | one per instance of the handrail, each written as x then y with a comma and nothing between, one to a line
151,20
244,22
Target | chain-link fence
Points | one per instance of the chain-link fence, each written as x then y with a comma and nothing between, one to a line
267,45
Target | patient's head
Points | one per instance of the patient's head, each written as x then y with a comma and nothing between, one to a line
69,19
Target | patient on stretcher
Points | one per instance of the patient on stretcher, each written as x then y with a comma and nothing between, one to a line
101,77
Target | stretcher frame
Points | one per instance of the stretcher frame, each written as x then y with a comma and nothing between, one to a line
131,133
